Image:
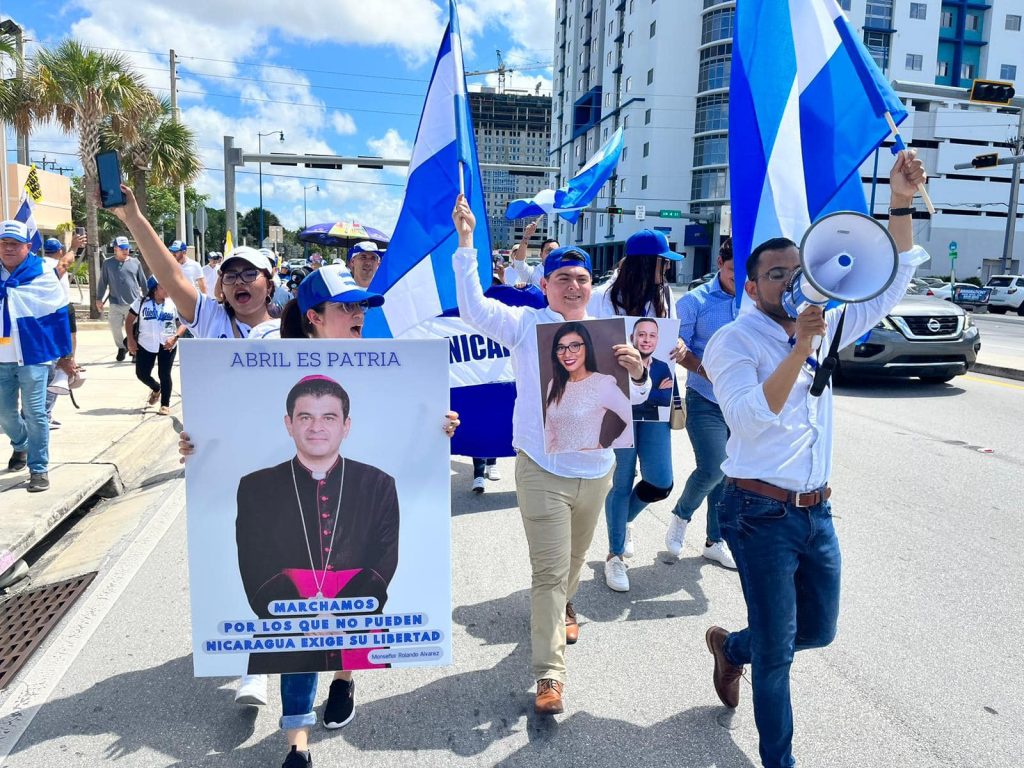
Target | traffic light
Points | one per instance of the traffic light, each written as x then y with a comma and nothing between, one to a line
986,161
992,92
614,209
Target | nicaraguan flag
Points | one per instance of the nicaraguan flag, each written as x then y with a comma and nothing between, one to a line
584,186
807,105
540,204
416,276
26,215
33,313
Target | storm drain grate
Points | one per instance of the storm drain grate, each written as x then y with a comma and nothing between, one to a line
27,618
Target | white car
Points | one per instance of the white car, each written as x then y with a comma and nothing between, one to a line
1007,294
943,291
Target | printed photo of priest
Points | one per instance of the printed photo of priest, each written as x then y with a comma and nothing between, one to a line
318,524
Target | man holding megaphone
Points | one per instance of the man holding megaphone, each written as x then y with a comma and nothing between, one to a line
775,514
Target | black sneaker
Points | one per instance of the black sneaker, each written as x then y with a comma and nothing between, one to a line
121,352
38,481
341,704
19,460
298,759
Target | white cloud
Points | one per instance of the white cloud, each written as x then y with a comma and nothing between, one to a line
343,123
392,145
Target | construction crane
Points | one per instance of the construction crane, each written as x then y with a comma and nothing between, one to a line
500,71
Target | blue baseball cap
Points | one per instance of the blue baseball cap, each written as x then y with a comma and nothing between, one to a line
52,245
649,242
333,283
177,246
567,256
365,246
121,242
14,230
151,283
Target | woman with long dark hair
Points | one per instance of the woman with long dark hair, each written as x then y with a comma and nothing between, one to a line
578,394
154,341
638,290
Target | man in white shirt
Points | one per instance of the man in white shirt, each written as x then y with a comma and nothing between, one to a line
189,267
775,513
560,495
213,260
521,273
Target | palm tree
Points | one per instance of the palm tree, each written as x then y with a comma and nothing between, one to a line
160,149
81,89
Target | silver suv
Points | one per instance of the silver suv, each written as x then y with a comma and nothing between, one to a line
1007,294
925,337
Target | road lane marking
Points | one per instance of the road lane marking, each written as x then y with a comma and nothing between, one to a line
996,383
32,689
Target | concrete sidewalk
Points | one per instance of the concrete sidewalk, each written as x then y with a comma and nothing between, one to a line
103,448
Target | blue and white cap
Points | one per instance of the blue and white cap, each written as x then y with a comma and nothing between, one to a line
333,283
52,245
365,246
121,242
14,230
177,246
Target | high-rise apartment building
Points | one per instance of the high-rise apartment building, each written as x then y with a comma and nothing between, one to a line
511,129
661,69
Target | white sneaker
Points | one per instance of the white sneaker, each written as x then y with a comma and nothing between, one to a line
615,575
675,534
252,690
627,550
478,484
719,552
493,473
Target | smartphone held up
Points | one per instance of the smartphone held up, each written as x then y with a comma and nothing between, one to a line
108,171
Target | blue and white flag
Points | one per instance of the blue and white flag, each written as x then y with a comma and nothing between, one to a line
581,190
416,275
807,105
26,215
33,313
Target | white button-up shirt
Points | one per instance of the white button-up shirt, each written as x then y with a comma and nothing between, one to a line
515,328
791,449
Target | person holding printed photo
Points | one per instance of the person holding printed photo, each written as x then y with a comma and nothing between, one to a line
155,342
639,290
560,495
578,395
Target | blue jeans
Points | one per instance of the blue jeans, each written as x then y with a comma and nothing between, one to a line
652,444
298,693
789,566
480,466
31,433
705,426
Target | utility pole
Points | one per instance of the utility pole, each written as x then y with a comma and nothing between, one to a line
1017,147
19,41
180,225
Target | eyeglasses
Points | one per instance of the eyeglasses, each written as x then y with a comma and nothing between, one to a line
573,346
351,307
778,274
246,276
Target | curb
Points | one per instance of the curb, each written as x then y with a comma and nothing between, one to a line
998,370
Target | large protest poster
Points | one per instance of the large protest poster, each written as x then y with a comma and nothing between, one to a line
655,339
584,390
318,504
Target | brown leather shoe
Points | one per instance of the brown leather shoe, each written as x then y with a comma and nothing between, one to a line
727,675
549,697
572,627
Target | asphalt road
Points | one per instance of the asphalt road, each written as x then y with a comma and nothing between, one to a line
1002,337
924,671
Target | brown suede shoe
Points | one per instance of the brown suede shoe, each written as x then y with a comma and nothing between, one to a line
727,675
549,697
572,627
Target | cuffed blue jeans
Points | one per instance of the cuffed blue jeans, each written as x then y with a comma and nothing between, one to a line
789,566
298,694
31,433
652,445
705,426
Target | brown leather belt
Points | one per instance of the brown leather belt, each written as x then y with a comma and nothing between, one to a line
806,499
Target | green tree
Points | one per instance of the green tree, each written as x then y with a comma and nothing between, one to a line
82,90
249,226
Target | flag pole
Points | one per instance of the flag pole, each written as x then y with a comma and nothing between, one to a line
920,187
462,178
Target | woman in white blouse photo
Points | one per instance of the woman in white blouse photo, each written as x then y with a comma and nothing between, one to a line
578,396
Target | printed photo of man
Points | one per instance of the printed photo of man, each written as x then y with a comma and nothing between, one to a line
645,339
318,524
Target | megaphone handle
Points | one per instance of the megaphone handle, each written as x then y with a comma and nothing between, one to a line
815,343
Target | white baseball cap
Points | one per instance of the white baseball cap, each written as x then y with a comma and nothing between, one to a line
121,242
14,230
250,256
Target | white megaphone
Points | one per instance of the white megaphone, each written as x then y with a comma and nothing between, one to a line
845,256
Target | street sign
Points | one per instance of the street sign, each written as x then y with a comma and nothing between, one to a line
669,214
275,234
641,212
952,250
201,219
664,230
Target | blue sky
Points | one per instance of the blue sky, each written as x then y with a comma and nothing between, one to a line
337,76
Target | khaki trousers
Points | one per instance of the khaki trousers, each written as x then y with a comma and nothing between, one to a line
559,515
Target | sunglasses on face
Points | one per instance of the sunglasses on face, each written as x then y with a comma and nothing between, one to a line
352,307
573,346
245,276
